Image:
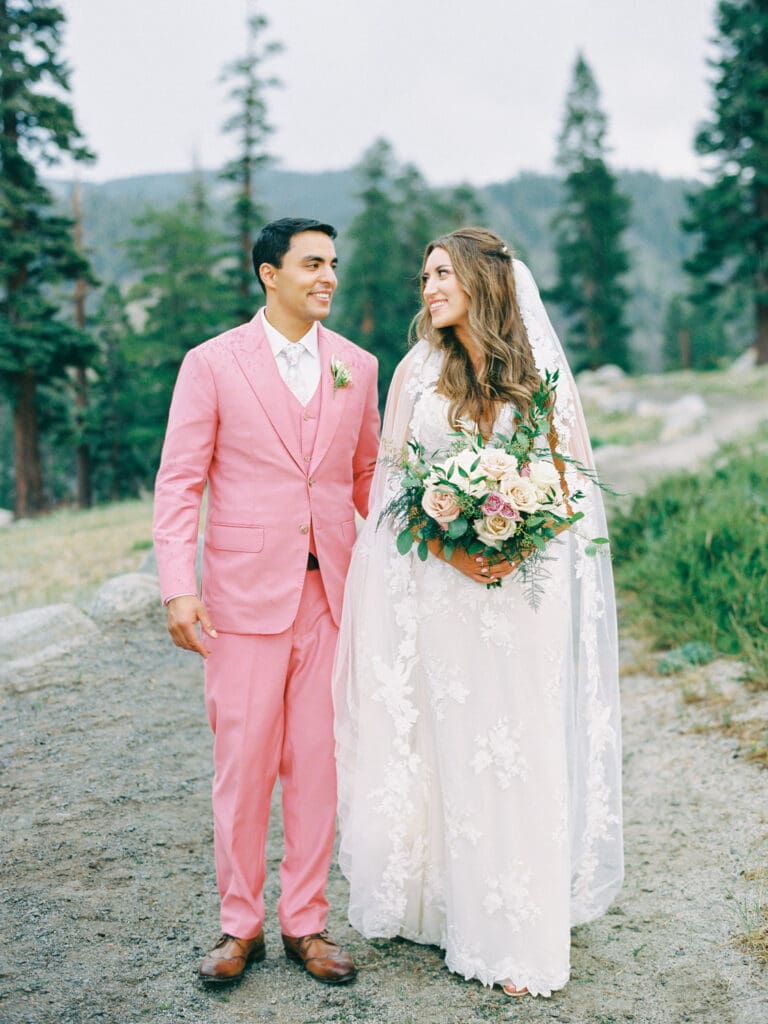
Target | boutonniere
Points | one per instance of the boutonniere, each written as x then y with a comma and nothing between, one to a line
342,378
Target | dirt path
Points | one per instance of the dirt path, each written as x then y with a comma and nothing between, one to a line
630,469
109,894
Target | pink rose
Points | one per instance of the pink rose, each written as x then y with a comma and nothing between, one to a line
492,503
440,505
496,504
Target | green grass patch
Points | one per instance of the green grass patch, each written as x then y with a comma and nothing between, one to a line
692,556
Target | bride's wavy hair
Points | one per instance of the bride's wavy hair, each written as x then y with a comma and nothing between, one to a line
482,263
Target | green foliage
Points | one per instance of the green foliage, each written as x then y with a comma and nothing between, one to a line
692,653
694,553
730,216
399,215
38,253
591,259
699,335
372,283
117,430
519,209
184,297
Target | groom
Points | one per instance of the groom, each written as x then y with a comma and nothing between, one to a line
279,418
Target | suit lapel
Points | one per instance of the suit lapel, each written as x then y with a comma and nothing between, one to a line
254,357
332,401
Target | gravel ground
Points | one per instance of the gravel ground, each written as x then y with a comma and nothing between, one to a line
109,895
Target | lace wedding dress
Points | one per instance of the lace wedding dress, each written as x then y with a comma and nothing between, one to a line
478,740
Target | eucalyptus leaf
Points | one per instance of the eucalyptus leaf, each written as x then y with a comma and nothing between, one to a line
457,528
405,541
422,550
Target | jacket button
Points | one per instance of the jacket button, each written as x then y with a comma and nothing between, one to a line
304,528
311,481
307,458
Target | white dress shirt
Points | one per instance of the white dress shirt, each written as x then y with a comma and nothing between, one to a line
303,376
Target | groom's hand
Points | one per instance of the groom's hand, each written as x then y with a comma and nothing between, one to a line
183,614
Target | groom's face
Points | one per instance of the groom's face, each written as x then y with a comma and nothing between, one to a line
305,282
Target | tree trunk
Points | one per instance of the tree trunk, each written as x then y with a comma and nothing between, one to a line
762,333
684,343
83,453
761,282
29,473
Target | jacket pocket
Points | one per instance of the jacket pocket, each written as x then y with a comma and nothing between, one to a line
235,538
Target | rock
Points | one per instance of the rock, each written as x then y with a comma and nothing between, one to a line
608,374
31,633
6,518
683,417
650,410
130,596
149,563
745,362
37,638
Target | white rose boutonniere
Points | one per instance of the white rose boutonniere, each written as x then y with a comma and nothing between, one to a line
342,378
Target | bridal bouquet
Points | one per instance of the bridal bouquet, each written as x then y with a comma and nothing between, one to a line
505,501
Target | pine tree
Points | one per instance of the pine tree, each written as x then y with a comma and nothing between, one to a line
374,280
730,216
703,332
418,219
116,429
38,253
591,259
251,127
184,297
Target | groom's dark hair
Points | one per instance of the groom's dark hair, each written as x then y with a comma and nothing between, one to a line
274,240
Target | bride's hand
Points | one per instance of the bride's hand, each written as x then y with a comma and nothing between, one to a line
479,568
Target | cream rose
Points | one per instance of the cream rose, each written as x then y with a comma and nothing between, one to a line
441,505
495,462
519,491
544,478
492,530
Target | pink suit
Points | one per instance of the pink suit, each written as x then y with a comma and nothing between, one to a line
279,477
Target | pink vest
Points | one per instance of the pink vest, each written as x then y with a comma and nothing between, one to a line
306,418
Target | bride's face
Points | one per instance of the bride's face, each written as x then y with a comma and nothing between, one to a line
444,297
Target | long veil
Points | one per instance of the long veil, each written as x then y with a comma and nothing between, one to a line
589,672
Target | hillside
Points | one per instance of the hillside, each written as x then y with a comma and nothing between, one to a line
520,209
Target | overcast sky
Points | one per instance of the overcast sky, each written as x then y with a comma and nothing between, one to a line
465,89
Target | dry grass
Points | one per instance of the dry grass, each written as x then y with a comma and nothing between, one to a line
65,556
754,917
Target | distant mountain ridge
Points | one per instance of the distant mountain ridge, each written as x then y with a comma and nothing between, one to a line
519,209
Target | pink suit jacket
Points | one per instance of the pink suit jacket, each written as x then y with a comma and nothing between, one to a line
231,425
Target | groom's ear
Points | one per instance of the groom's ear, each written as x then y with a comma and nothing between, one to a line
267,274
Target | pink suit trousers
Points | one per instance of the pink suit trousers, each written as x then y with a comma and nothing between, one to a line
269,704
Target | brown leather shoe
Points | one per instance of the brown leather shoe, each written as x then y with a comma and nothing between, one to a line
323,958
229,958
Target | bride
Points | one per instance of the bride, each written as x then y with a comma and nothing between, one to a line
477,739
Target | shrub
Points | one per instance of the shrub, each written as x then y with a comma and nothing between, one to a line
693,553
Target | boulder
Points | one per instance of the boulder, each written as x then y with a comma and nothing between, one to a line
6,518
683,416
608,374
130,596
33,633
